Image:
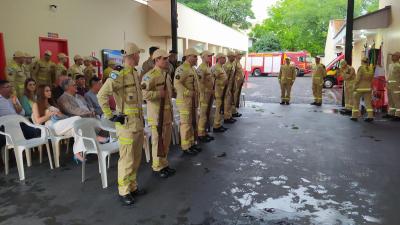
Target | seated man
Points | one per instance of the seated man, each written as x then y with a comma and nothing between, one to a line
72,104
57,90
81,84
91,96
9,105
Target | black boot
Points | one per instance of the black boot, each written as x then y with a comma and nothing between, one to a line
287,103
219,129
127,200
138,192
354,119
369,119
211,138
189,152
282,103
203,139
196,148
170,171
161,174
314,103
237,114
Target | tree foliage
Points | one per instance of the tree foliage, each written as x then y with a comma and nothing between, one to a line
233,13
303,24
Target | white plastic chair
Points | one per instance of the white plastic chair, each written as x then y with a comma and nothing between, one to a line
55,143
85,129
15,139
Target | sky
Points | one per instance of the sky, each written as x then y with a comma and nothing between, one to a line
260,9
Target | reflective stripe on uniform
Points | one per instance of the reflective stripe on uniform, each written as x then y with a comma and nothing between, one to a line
355,110
370,110
127,180
392,81
363,89
125,141
107,112
186,92
396,92
131,111
185,142
184,112
179,101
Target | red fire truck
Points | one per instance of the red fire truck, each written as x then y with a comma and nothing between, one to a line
333,77
270,62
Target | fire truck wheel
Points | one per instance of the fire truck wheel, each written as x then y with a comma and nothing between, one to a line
328,83
256,72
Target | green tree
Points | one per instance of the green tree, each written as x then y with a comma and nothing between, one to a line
303,24
266,43
233,13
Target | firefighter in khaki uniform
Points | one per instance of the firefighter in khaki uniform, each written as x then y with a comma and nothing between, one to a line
239,80
43,70
229,68
125,88
108,70
220,81
77,67
60,68
394,87
318,76
287,76
28,65
149,63
363,89
157,84
206,89
15,73
89,72
348,74
186,86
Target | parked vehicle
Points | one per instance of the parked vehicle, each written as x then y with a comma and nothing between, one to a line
268,63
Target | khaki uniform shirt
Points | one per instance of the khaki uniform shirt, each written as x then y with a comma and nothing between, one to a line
147,66
60,69
152,83
363,80
206,81
43,71
319,73
221,79
16,75
74,69
287,74
125,88
186,85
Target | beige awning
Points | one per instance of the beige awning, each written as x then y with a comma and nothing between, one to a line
375,20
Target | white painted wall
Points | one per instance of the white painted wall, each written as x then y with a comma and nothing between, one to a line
89,25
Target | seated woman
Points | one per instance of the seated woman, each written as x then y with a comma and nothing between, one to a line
44,111
29,96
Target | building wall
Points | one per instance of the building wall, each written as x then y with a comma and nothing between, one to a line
89,25
391,35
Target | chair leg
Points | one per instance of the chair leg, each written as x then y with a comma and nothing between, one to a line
40,154
108,161
6,160
28,157
147,148
83,167
20,162
103,173
49,155
67,143
56,153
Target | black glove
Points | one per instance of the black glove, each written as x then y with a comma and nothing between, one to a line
119,118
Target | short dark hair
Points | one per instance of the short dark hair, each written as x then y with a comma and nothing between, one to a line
93,80
173,52
4,82
152,49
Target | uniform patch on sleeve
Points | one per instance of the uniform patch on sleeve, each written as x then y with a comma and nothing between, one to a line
10,71
146,78
114,75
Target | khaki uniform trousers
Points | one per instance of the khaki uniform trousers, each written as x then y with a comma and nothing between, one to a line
286,88
348,95
317,90
186,127
218,116
228,105
203,115
158,162
394,98
130,156
367,95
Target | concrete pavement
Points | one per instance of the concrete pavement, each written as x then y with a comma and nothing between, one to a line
294,164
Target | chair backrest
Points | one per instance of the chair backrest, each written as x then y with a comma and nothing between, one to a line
11,124
85,127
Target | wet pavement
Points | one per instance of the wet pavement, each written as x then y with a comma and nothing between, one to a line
281,165
267,90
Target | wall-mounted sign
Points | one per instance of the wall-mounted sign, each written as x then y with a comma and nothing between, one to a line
52,35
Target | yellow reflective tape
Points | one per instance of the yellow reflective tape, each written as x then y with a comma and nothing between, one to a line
125,141
396,92
370,110
186,92
185,142
127,180
154,127
203,104
363,89
392,108
355,110
184,112
131,111
21,85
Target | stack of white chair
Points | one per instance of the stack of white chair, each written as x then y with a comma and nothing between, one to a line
15,140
